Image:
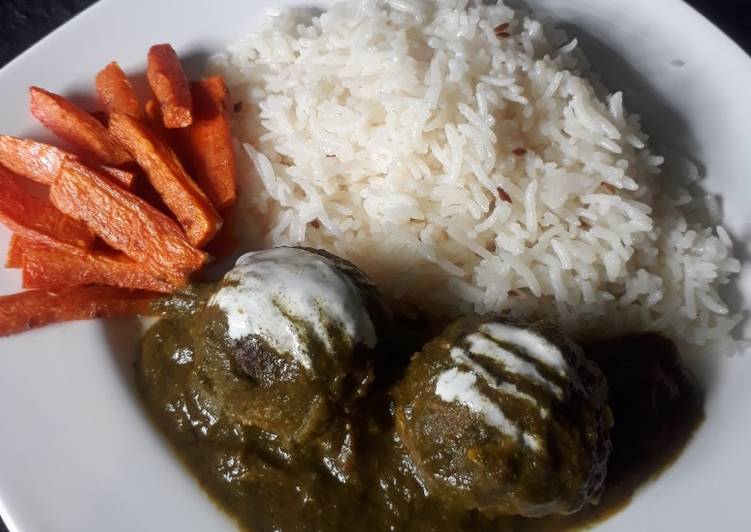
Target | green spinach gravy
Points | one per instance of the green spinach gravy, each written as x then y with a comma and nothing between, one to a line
366,480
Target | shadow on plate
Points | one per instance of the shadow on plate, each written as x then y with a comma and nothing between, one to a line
124,338
671,136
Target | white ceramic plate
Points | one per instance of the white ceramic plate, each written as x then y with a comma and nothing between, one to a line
76,450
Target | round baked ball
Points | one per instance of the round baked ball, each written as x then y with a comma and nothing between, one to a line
506,417
287,340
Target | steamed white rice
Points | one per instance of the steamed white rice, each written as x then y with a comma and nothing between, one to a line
457,153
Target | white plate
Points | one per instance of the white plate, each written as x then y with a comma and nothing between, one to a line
78,454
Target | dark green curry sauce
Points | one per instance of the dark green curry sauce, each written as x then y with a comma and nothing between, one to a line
264,486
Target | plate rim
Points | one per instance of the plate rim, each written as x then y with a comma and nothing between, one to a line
102,5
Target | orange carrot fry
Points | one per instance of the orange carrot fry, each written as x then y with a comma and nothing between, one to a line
154,119
115,91
45,267
34,160
207,142
14,258
170,86
41,162
37,308
76,126
179,192
35,219
125,222
124,178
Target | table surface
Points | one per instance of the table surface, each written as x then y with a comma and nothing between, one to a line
22,23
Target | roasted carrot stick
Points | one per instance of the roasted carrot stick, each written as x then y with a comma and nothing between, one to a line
45,267
180,193
115,91
207,142
168,81
125,222
156,122
73,124
35,218
14,257
41,162
124,178
36,308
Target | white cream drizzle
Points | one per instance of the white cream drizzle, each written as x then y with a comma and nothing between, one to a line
531,441
459,356
460,386
534,345
479,345
268,287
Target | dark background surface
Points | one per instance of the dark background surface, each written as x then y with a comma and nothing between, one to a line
24,22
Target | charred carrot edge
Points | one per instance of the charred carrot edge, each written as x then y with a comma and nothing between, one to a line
35,218
125,222
170,86
207,142
46,268
37,308
14,257
115,91
73,124
180,193
41,162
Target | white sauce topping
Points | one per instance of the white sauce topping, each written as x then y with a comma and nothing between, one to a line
535,345
269,287
459,356
531,441
460,386
481,346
